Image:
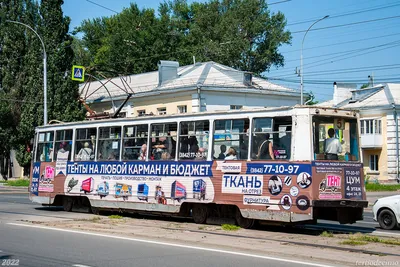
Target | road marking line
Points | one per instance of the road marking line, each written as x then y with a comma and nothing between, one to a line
80,265
173,245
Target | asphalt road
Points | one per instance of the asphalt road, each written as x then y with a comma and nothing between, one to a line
43,247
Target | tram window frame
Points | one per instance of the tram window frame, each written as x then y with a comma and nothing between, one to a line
111,135
135,145
200,140
258,132
40,153
64,142
350,147
225,135
83,136
157,150
279,130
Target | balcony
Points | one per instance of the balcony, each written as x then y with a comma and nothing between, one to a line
371,141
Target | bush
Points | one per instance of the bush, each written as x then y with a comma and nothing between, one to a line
382,187
19,182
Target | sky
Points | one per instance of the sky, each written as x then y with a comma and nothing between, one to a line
358,39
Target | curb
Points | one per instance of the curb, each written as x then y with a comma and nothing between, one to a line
8,187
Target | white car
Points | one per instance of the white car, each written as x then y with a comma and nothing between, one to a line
387,212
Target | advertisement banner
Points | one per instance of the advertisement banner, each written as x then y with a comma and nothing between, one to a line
189,169
35,179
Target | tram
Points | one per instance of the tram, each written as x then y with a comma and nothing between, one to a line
264,165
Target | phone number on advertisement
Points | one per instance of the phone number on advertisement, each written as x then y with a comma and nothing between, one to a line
281,168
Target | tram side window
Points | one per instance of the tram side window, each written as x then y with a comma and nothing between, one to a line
163,141
45,147
135,142
109,143
63,144
261,139
85,144
231,140
193,140
272,138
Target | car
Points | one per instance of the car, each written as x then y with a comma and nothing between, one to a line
387,212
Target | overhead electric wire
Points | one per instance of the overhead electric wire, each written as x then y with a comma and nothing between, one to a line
109,9
354,12
309,81
345,52
342,43
278,2
373,68
327,11
347,24
313,64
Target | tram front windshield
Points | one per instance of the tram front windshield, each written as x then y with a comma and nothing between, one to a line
344,130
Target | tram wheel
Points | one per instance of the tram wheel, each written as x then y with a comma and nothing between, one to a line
68,203
244,222
200,213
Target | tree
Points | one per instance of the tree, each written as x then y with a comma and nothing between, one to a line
310,99
242,34
22,70
365,85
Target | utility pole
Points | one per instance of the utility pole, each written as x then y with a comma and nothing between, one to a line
44,69
301,60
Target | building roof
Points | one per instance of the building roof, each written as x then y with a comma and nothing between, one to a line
379,96
209,75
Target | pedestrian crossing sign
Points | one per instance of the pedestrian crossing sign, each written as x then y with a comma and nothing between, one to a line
78,73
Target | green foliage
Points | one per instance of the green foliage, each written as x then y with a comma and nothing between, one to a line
362,239
310,99
326,234
365,85
240,33
21,72
352,242
115,217
230,227
19,182
381,187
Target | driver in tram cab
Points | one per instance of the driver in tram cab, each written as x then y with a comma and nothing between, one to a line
332,145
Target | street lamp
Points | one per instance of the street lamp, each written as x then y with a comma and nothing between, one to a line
301,59
44,69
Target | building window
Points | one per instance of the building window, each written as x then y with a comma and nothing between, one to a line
233,107
182,109
162,111
373,162
378,126
371,127
141,112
